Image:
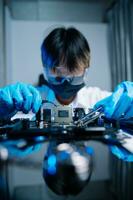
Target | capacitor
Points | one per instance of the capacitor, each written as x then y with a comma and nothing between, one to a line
78,113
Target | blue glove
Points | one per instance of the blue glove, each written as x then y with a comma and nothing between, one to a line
20,148
18,97
121,153
120,103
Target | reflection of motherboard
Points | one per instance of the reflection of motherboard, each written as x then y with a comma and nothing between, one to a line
66,124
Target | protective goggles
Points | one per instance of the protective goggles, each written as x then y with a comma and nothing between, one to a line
57,80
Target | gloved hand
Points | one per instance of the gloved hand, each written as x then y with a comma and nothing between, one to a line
18,97
120,103
21,148
121,153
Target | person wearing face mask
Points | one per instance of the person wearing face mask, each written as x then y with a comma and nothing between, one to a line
66,60
65,55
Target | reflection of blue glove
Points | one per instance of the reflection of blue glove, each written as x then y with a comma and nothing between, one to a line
18,97
120,102
20,148
121,153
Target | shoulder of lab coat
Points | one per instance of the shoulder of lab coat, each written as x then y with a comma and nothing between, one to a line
89,96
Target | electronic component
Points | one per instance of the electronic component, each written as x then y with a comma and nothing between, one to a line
55,114
90,117
66,124
63,115
78,113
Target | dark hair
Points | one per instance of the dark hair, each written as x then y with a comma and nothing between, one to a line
65,46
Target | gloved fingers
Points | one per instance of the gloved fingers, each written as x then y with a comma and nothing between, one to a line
128,86
15,151
16,96
107,104
121,153
118,103
27,98
129,112
102,102
110,105
7,109
122,106
5,96
125,101
36,100
116,95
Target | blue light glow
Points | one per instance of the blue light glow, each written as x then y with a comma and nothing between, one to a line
52,170
89,150
63,155
52,160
